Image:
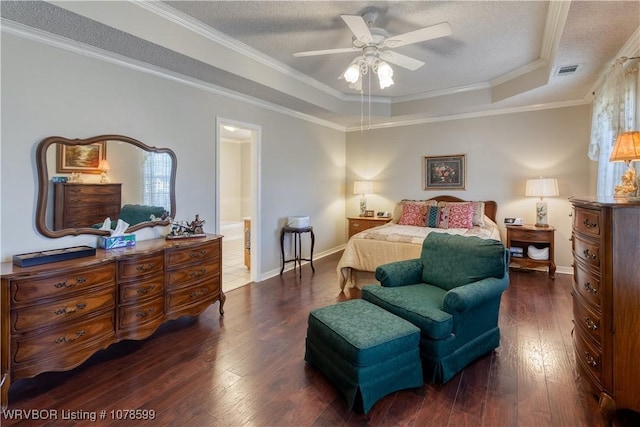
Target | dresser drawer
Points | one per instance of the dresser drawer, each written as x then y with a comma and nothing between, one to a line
588,356
587,284
587,319
179,257
144,289
61,285
141,266
207,291
587,221
188,275
133,316
60,341
586,251
86,190
54,313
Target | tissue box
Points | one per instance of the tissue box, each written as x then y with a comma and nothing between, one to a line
114,242
298,221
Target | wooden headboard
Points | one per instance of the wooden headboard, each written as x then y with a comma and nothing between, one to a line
490,207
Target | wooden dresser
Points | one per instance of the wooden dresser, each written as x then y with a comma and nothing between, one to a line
55,316
82,205
606,299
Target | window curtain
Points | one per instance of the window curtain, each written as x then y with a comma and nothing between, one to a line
614,111
156,183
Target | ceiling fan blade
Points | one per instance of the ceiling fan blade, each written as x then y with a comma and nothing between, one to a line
326,51
358,27
401,60
428,33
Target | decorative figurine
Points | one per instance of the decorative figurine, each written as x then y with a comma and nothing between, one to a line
184,229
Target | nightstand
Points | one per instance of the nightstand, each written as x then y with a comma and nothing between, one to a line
360,223
523,236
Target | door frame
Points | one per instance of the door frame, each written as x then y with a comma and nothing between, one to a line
256,226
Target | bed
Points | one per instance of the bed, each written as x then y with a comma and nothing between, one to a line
396,241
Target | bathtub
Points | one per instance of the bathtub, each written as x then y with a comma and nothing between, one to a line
231,230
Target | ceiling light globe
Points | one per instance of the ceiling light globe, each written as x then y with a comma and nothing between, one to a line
385,82
352,74
385,71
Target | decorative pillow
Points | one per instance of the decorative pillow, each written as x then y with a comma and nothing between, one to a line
478,210
413,214
478,213
443,217
461,215
397,211
433,214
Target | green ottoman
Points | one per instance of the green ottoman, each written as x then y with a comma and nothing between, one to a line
365,351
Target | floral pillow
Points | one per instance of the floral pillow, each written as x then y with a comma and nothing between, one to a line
413,214
461,215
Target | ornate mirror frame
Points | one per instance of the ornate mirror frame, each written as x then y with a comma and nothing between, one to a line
43,184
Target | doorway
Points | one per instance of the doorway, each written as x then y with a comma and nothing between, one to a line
237,196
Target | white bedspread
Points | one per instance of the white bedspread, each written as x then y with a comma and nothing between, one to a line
392,242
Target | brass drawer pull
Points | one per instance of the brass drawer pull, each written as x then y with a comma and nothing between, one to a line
590,324
198,293
146,290
591,361
148,266
589,255
197,273
145,313
66,310
65,284
589,224
198,254
65,339
587,286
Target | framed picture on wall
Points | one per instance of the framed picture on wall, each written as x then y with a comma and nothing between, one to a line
80,158
444,172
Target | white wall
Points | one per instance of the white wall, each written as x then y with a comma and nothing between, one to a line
231,174
502,152
48,91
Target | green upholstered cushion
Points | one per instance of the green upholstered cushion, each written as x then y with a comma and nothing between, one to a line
450,260
135,214
362,333
420,304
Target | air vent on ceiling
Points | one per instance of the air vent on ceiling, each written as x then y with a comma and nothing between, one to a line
566,70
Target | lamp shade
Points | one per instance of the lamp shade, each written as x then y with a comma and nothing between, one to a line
542,187
362,187
627,147
104,165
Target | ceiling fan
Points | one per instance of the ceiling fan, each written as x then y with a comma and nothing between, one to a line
375,44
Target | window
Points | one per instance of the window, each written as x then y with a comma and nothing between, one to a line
156,182
614,111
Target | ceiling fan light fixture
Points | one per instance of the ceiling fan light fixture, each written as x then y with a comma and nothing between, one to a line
385,74
352,74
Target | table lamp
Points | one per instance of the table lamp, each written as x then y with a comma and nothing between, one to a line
627,149
363,188
104,167
542,187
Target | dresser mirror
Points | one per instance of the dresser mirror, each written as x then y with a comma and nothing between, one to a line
135,175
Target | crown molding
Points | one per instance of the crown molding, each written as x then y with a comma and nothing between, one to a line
43,37
485,113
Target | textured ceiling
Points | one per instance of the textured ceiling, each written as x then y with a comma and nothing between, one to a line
501,55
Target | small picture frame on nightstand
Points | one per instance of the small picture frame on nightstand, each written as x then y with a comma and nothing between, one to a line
369,213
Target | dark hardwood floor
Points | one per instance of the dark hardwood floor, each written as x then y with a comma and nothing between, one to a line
247,368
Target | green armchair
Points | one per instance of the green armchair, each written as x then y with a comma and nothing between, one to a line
452,293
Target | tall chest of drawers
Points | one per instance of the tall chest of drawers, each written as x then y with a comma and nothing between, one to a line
82,205
606,299
55,316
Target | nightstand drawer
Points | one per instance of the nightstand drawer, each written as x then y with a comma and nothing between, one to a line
529,236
